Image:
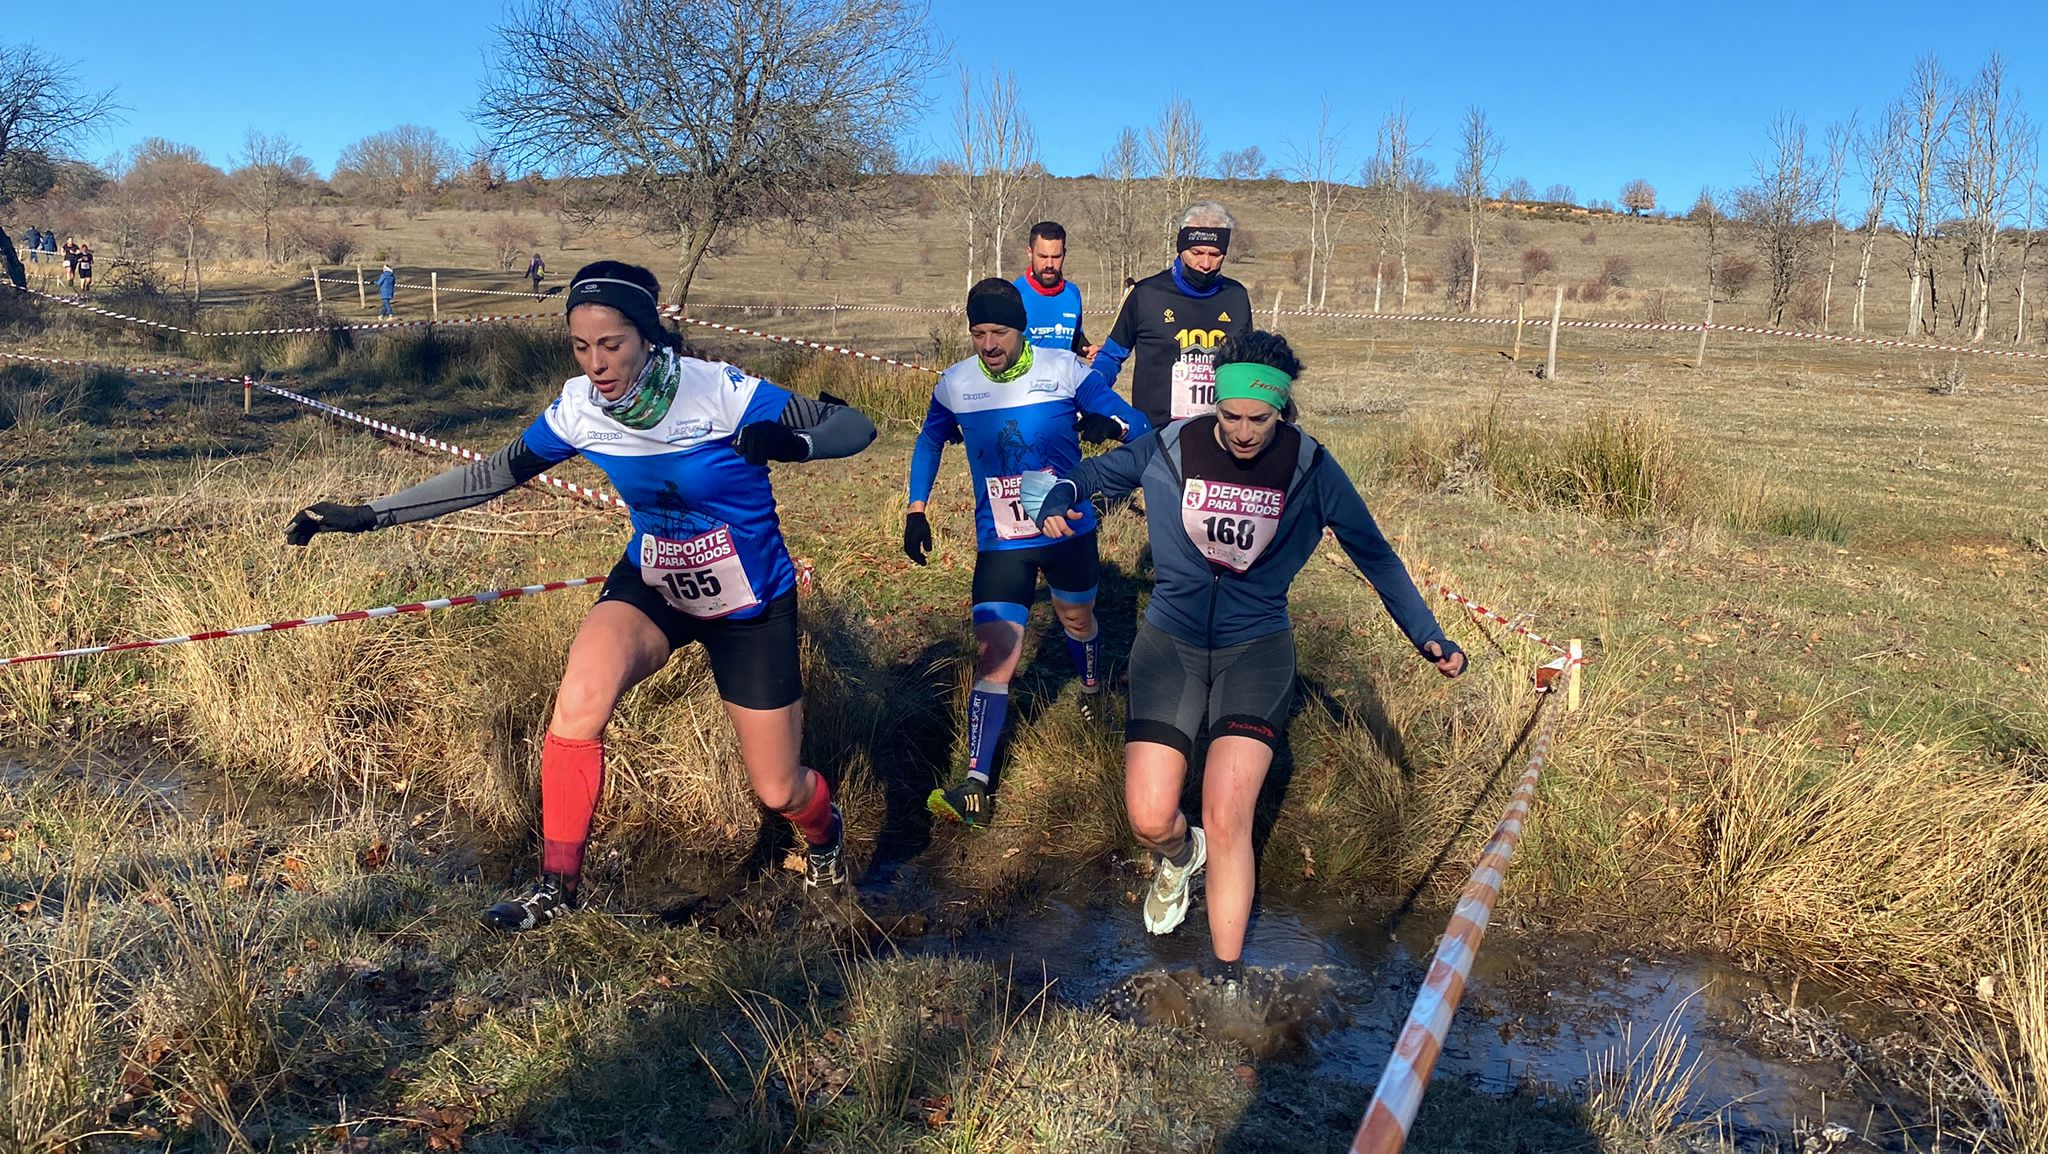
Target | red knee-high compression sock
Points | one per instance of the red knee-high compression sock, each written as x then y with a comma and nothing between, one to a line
571,776
814,818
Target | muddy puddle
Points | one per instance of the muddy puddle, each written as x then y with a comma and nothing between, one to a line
1331,988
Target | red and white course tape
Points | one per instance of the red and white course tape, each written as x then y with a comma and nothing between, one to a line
1399,1094
484,598
676,314
597,495
1513,625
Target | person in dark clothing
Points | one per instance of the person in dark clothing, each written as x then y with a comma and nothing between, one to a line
1238,501
1174,319
535,270
34,245
85,269
687,442
387,288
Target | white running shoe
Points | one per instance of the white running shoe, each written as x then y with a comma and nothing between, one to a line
1166,903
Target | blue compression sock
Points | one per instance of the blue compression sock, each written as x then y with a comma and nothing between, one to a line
1086,653
987,710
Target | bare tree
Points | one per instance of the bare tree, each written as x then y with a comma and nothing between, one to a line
1838,138
2030,169
694,116
1122,204
1316,167
1780,208
402,166
1175,148
1638,197
1559,194
269,173
1928,110
43,115
1878,152
1009,149
1518,190
183,188
1247,163
1392,178
963,169
1990,134
1479,153
1708,214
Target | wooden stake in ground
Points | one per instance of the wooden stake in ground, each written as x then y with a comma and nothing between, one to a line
319,297
434,286
1521,299
1276,309
248,386
1700,361
1576,668
1556,314
362,293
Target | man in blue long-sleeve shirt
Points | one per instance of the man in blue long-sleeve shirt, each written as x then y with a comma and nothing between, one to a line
1018,410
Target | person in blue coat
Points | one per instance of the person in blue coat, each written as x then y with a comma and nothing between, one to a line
1052,303
387,287
687,443
1236,503
1018,410
34,245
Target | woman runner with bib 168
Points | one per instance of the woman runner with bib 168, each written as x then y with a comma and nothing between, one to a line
1236,503
686,442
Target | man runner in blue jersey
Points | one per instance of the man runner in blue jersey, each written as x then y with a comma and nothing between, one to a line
1052,303
1016,409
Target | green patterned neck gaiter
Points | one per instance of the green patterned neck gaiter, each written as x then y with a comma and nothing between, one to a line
1022,366
646,403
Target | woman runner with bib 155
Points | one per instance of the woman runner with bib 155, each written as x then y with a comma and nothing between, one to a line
686,442
1236,502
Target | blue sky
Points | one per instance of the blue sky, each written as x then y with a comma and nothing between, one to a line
1585,95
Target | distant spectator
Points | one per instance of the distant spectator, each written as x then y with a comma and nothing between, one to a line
50,245
85,269
387,287
35,244
535,271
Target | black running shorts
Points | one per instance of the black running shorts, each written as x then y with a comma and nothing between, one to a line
1244,690
1006,580
753,659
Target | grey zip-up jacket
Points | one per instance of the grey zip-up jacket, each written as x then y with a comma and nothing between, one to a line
1204,604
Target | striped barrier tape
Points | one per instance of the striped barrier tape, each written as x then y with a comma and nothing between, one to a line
596,495
1399,1094
931,310
483,598
1675,327
80,304
674,313
349,282
1514,625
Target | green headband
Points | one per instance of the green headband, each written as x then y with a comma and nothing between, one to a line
1251,381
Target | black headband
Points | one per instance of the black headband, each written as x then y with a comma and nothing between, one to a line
634,301
996,302
1193,235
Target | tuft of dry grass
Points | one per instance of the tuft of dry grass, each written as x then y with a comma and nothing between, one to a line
1638,1095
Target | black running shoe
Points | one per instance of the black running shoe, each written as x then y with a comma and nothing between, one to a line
822,864
543,905
969,803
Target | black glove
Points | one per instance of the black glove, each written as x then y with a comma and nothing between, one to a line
1446,647
917,537
329,517
1099,427
765,441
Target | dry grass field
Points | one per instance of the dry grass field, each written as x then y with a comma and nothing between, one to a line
242,874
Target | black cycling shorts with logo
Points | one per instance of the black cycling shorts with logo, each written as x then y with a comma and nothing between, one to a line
1244,690
753,660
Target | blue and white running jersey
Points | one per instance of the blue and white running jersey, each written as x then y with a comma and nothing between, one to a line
705,530
1050,319
1009,427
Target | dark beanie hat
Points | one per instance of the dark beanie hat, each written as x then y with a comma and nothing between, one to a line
995,301
626,287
